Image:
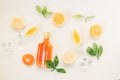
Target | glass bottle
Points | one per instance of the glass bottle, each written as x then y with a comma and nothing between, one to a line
44,51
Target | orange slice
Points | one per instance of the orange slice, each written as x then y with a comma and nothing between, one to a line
28,59
95,30
17,23
76,37
31,31
68,58
58,19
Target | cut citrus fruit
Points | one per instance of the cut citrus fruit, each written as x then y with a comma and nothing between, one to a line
95,30
76,37
58,19
68,58
28,59
31,31
17,23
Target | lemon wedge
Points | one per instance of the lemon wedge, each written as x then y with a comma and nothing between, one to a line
31,31
76,37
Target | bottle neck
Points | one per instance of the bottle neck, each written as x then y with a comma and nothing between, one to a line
46,41
46,37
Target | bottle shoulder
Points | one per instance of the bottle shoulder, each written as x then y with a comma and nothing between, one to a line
49,45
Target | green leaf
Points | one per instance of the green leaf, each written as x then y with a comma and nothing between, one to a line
49,12
95,48
38,9
100,50
56,61
88,18
49,64
61,70
78,16
45,8
44,11
90,51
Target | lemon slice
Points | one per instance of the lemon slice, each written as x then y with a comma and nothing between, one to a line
58,19
17,23
95,30
31,31
68,58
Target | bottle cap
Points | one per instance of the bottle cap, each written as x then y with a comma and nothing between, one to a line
46,35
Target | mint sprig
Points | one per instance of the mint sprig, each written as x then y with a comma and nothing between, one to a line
86,18
95,50
53,65
43,10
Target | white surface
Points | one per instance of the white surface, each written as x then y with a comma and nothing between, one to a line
107,14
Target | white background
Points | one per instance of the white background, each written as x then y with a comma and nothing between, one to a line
107,14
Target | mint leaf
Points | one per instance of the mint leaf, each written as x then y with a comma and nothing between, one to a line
89,18
56,61
91,51
78,16
61,70
44,11
100,50
95,48
49,64
49,12
38,9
